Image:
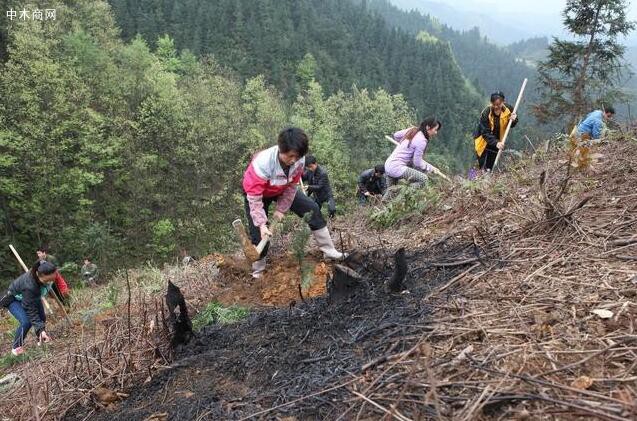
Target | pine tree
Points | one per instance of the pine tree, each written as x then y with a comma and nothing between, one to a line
576,74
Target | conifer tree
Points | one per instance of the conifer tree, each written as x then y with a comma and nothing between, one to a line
577,74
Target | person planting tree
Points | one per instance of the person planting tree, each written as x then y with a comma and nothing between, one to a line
406,161
89,272
23,299
371,182
60,287
272,176
593,124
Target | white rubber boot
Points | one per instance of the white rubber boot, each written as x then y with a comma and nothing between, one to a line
257,268
325,244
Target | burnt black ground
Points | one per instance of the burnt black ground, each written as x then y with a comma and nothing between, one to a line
276,356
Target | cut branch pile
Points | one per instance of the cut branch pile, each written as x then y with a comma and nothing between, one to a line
104,356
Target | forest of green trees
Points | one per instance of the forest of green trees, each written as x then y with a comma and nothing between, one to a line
124,132
271,38
488,66
127,152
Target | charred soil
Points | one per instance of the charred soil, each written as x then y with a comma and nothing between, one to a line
282,354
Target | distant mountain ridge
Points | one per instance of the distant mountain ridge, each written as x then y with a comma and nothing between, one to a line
488,66
351,45
500,28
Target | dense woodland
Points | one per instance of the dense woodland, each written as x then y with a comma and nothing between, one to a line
350,43
488,66
124,132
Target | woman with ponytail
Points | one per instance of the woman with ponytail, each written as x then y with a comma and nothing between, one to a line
406,161
23,299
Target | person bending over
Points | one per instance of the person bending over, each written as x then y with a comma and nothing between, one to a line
272,176
317,185
406,161
371,182
23,299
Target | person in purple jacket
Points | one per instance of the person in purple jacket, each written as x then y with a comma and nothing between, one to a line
406,160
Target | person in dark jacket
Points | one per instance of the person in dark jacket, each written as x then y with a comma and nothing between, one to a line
23,299
371,182
318,185
489,134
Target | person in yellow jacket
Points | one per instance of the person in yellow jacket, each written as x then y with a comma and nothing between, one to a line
490,131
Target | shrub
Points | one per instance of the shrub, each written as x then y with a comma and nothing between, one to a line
409,201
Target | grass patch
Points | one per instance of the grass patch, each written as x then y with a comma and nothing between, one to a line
216,313
110,301
9,360
409,201
35,353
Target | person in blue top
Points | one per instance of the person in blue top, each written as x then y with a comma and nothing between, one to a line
591,127
23,299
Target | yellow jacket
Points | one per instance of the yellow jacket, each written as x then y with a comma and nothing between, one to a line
483,136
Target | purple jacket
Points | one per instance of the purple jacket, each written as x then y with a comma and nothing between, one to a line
405,155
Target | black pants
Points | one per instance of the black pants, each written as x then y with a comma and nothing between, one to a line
58,294
301,205
487,160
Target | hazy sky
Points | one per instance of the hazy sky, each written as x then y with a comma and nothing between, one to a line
551,7
523,18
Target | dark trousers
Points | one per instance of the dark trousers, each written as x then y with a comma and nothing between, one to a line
301,205
16,309
487,160
58,294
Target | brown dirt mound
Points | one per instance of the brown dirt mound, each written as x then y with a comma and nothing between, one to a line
279,286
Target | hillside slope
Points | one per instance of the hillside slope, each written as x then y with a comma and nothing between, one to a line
519,304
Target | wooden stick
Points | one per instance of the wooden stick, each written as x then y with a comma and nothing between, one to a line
248,248
434,169
17,256
24,267
266,240
394,414
506,132
454,280
292,402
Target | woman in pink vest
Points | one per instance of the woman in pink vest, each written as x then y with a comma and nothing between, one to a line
272,176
